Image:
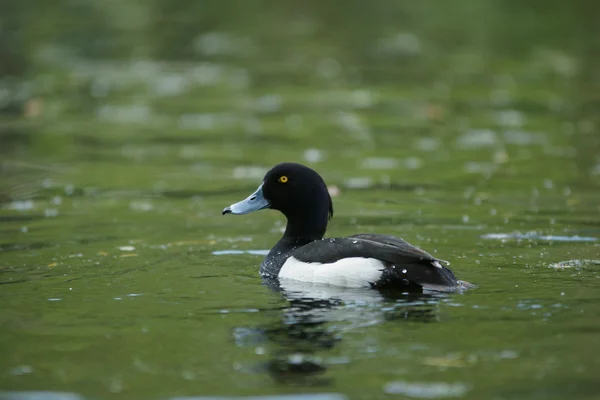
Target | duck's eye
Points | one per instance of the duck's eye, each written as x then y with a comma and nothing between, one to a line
282,179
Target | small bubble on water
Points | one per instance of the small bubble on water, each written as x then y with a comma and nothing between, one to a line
465,219
404,271
355,241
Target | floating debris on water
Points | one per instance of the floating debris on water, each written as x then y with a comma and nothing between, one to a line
538,236
126,248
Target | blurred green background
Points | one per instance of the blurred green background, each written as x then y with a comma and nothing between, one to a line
469,128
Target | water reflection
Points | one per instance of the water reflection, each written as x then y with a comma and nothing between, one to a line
315,320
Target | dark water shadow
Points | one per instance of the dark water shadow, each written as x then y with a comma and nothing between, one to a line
316,320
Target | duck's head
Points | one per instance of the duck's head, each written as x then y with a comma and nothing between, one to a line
294,189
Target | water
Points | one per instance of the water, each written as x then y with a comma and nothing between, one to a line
469,129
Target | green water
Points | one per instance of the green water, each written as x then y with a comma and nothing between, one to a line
469,128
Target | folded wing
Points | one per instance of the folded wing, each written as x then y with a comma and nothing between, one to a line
403,265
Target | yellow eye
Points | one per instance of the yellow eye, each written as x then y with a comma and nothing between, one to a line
282,179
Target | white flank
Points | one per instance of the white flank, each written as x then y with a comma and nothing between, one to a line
354,272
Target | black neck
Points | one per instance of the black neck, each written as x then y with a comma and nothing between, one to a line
306,228
299,232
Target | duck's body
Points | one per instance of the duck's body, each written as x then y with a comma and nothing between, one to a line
363,260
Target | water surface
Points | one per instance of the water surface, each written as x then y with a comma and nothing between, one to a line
469,129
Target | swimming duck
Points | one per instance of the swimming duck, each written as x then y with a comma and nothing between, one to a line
303,254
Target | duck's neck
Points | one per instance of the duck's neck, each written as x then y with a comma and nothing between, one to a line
298,232
305,228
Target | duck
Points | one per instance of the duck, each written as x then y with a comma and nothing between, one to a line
364,260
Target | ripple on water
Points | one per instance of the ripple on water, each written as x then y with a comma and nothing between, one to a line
538,236
426,390
307,396
41,395
232,252
577,264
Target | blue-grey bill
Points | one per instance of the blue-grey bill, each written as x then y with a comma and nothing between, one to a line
256,201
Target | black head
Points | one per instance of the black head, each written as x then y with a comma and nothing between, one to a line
297,191
293,188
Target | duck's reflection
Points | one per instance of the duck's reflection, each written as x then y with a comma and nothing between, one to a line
300,340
